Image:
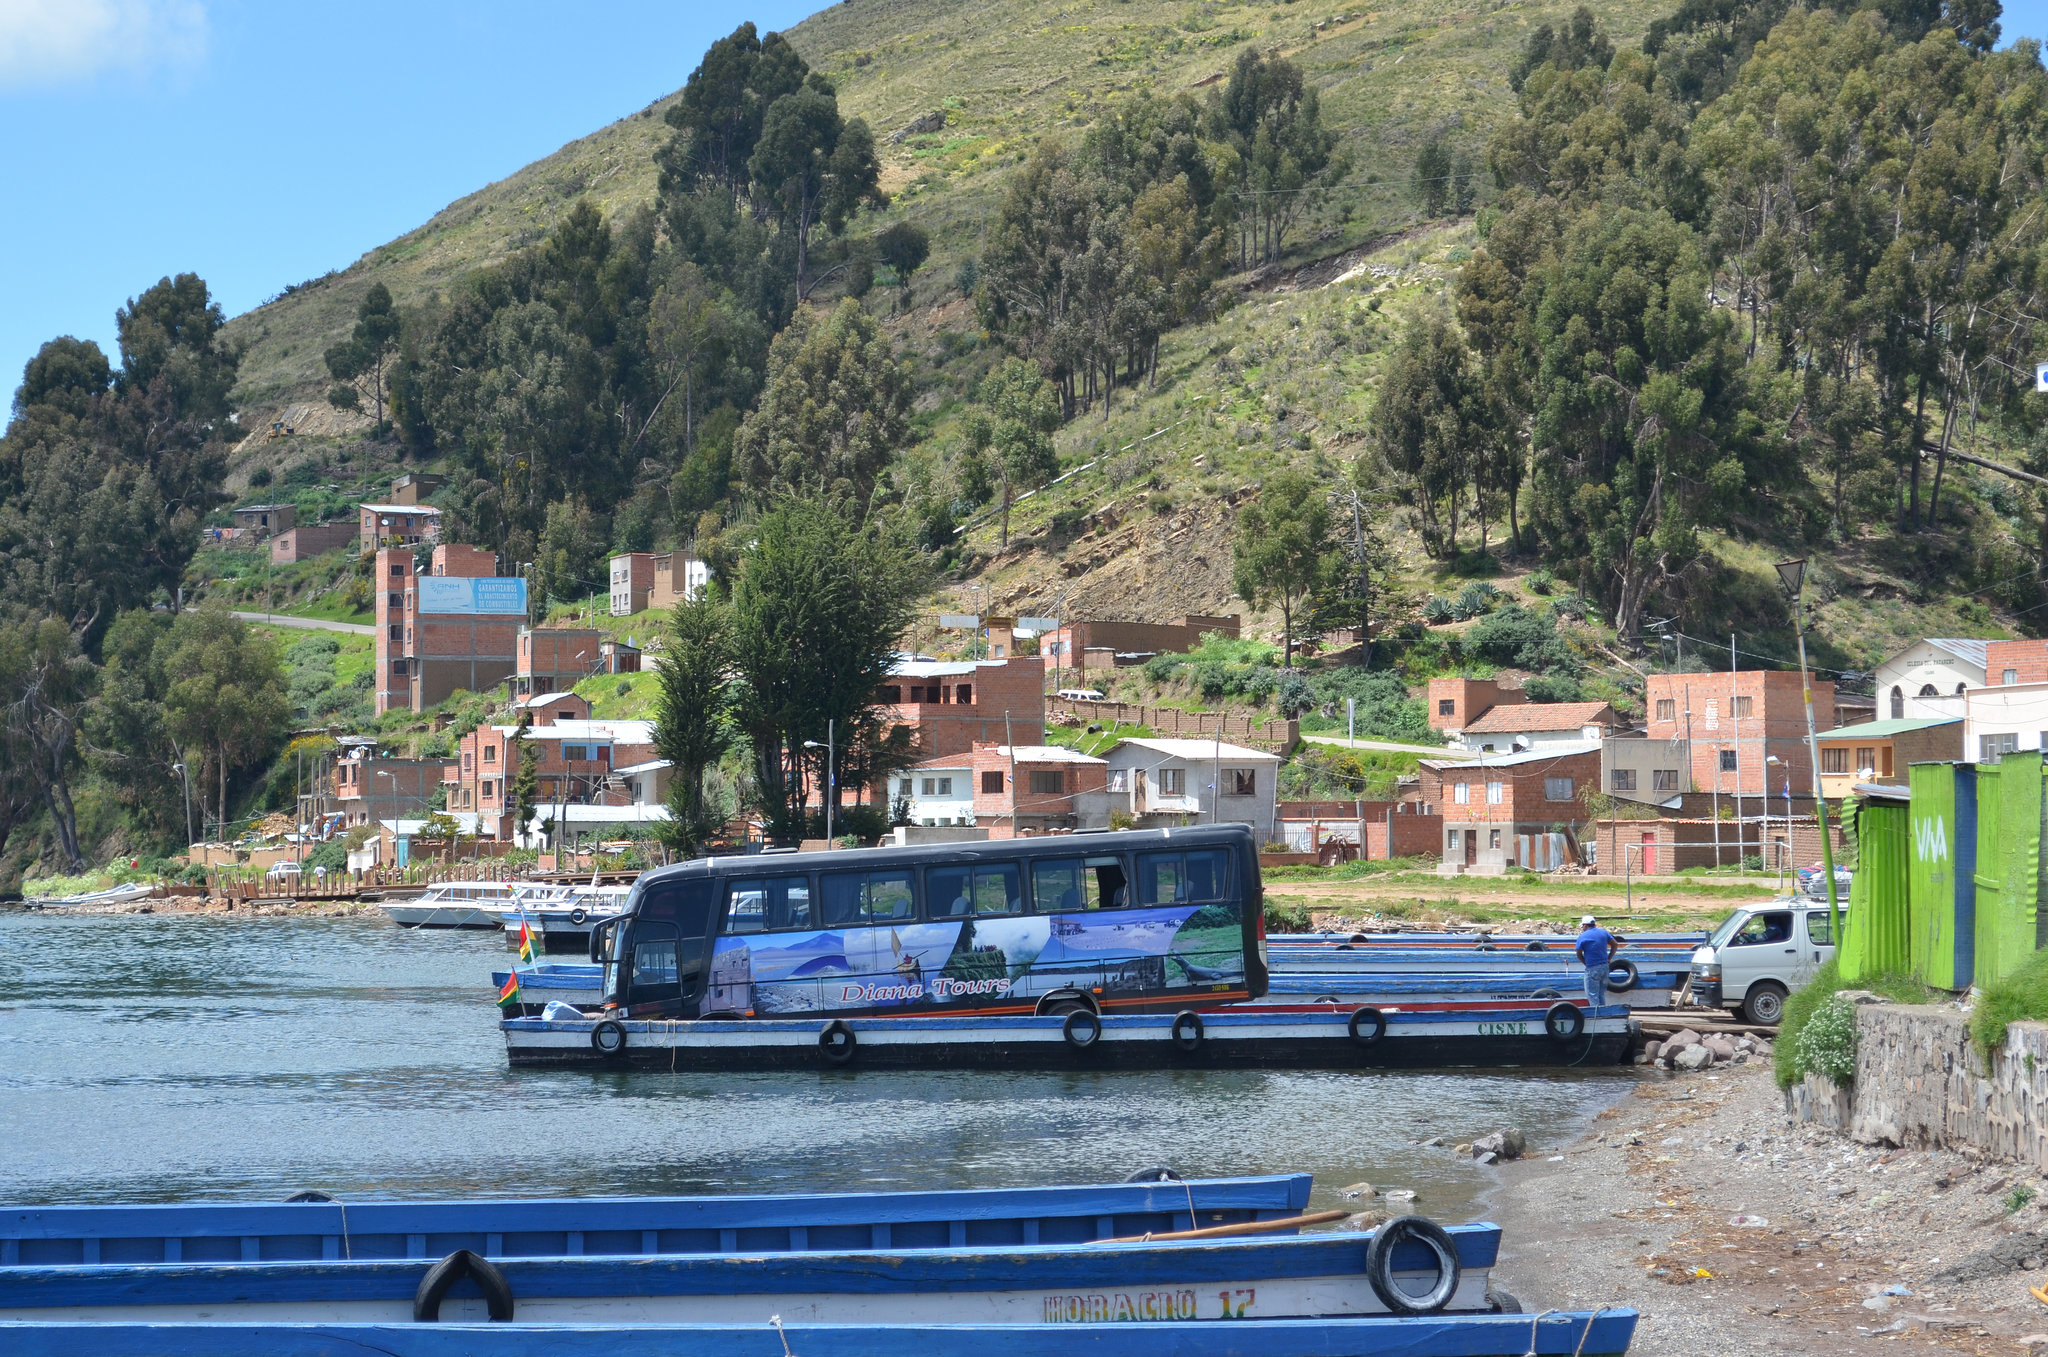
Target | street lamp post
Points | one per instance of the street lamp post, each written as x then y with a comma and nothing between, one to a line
831,777
1792,574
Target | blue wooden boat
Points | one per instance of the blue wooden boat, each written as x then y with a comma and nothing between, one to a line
1312,1036
578,983
1653,974
1604,1333
326,1229
1420,1268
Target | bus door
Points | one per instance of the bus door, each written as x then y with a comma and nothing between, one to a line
668,949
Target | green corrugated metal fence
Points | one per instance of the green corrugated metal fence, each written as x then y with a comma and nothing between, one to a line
1940,892
1876,937
2008,874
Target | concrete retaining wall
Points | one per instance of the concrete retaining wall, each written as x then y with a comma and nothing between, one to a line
1919,1082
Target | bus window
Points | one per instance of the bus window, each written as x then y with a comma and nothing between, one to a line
851,899
1056,886
654,962
1063,885
962,892
768,905
1183,878
889,899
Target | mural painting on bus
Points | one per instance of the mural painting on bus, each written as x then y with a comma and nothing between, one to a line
972,961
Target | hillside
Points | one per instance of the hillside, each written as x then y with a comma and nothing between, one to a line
1387,76
1282,374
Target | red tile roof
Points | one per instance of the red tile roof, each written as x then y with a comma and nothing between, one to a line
1510,718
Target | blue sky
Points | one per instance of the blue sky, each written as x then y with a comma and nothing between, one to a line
261,144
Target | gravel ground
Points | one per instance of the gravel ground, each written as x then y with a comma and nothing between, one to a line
1697,1201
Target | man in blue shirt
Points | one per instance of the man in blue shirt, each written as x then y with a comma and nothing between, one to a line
1596,950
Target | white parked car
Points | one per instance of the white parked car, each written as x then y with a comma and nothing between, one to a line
1080,694
1759,955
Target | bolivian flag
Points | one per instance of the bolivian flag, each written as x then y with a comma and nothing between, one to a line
525,939
508,997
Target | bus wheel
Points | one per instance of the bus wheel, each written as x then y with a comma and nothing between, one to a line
1367,1025
1187,1029
1082,1029
837,1042
1061,1002
1564,1022
608,1038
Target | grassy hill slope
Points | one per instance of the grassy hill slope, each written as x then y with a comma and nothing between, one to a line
1003,76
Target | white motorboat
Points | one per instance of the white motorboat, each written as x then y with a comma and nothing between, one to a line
464,904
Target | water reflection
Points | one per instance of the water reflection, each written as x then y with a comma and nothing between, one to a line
160,1059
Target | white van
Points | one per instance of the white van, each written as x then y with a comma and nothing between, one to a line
1760,954
1080,694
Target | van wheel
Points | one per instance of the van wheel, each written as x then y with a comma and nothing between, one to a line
1765,1003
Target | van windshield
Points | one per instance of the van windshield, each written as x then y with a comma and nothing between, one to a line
1719,937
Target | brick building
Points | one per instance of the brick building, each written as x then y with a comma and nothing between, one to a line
1078,645
1659,847
2010,662
305,541
262,520
1455,703
368,788
678,575
1399,829
414,487
551,659
579,763
632,581
949,706
454,629
1489,803
1507,727
397,524
1012,792
1882,751
1746,730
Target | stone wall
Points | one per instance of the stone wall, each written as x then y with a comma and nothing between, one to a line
1919,1082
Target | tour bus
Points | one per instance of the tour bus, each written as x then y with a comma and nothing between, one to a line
1130,922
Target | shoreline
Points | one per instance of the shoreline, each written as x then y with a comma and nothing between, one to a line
1696,1200
185,907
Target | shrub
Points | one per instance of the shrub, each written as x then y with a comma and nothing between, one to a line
1827,1044
1541,581
1474,600
1295,695
1437,611
1552,688
1516,636
1570,605
2022,994
1286,918
1804,1007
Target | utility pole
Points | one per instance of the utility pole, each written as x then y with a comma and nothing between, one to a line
1792,574
1734,698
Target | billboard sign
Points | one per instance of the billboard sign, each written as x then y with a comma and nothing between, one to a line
494,596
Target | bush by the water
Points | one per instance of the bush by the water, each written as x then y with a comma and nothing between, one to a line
2015,998
1790,1058
1827,1044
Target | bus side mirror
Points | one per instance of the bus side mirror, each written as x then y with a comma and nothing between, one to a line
598,932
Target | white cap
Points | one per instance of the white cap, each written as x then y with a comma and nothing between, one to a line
1588,919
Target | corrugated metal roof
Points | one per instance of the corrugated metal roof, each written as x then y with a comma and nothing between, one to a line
1963,648
1198,749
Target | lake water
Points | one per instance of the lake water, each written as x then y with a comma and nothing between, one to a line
161,1059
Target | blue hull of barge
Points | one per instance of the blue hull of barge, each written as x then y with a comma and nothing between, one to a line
1242,1036
367,1230
1605,1334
